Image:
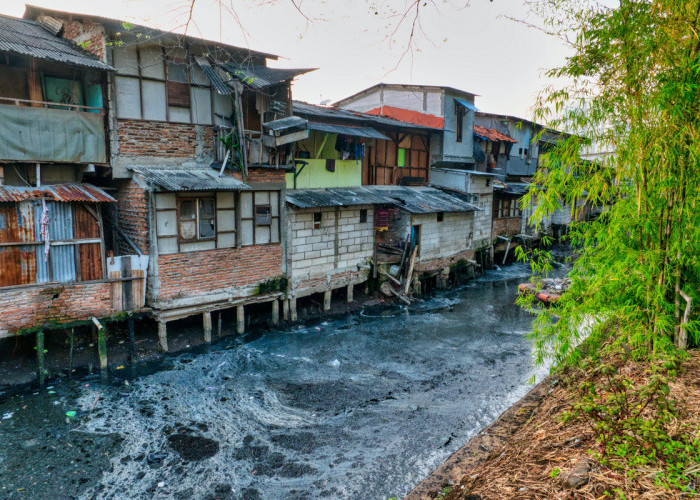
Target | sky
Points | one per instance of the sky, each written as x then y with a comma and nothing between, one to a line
472,47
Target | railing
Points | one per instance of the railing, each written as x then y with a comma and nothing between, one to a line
48,104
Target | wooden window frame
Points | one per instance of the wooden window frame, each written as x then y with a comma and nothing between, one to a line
253,218
196,199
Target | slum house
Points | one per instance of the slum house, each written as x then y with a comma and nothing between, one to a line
448,110
200,136
349,148
58,263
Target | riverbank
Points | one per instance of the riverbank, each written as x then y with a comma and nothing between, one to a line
529,453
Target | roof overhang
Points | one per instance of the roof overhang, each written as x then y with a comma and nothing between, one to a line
365,132
176,179
83,193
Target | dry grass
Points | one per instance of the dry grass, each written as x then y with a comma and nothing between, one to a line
525,467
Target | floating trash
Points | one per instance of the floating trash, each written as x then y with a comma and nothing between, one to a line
71,413
7,415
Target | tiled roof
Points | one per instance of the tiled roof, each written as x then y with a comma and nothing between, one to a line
407,115
491,134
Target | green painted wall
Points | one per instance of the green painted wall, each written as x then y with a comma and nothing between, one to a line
347,173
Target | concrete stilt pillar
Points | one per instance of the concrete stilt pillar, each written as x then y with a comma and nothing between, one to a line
40,370
206,323
275,312
132,340
240,319
327,300
351,290
71,336
163,335
219,321
293,309
102,347
285,309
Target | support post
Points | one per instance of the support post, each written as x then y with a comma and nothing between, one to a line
293,309
351,291
132,340
275,312
218,326
41,373
71,337
327,300
206,320
163,335
102,347
240,319
285,309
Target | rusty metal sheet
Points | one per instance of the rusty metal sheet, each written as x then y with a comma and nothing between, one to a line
85,193
85,226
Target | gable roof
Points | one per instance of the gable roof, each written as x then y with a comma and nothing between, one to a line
407,115
401,86
29,38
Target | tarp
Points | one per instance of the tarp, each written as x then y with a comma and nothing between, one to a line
45,134
467,104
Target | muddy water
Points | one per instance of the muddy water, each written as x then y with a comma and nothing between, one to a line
363,407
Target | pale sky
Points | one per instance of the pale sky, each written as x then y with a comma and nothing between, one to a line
473,48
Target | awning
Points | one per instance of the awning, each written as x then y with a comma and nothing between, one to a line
259,77
85,193
213,76
347,130
188,179
467,104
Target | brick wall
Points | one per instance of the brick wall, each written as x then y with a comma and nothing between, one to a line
265,175
132,203
163,139
507,226
193,273
32,306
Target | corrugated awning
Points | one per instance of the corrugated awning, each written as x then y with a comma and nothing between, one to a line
85,193
467,104
347,130
334,197
188,179
29,38
259,77
212,74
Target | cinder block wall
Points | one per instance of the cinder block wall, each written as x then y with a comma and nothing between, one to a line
443,239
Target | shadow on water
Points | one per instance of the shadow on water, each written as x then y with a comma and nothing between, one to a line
358,406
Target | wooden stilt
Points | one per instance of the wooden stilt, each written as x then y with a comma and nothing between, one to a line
218,321
132,340
293,309
71,337
285,309
41,371
102,347
327,300
240,319
206,320
275,312
163,335
351,290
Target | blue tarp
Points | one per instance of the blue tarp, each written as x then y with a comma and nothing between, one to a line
467,104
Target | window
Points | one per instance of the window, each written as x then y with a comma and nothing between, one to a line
459,112
363,215
401,157
318,216
440,216
263,215
196,219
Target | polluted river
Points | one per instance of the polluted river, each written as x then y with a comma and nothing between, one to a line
356,407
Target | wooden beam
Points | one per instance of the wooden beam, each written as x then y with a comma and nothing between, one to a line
41,371
240,319
275,312
206,321
163,335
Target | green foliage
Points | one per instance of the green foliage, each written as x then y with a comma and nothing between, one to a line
444,492
555,472
631,89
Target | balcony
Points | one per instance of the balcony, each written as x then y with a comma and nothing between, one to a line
39,131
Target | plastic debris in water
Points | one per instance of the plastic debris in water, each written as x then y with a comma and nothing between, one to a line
120,367
7,415
71,413
335,363
52,392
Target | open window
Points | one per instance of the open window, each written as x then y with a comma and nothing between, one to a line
196,219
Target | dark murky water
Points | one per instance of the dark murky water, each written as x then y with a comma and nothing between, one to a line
362,407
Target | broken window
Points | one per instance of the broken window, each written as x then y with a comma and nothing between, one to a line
196,219
263,215
260,217
318,216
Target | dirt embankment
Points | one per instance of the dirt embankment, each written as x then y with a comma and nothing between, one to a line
529,453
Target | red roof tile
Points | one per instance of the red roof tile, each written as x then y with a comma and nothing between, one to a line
491,134
407,115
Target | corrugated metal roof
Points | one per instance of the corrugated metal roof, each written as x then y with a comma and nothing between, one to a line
348,130
29,38
259,77
213,76
490,134
311,111
85,193
188,179
414,199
